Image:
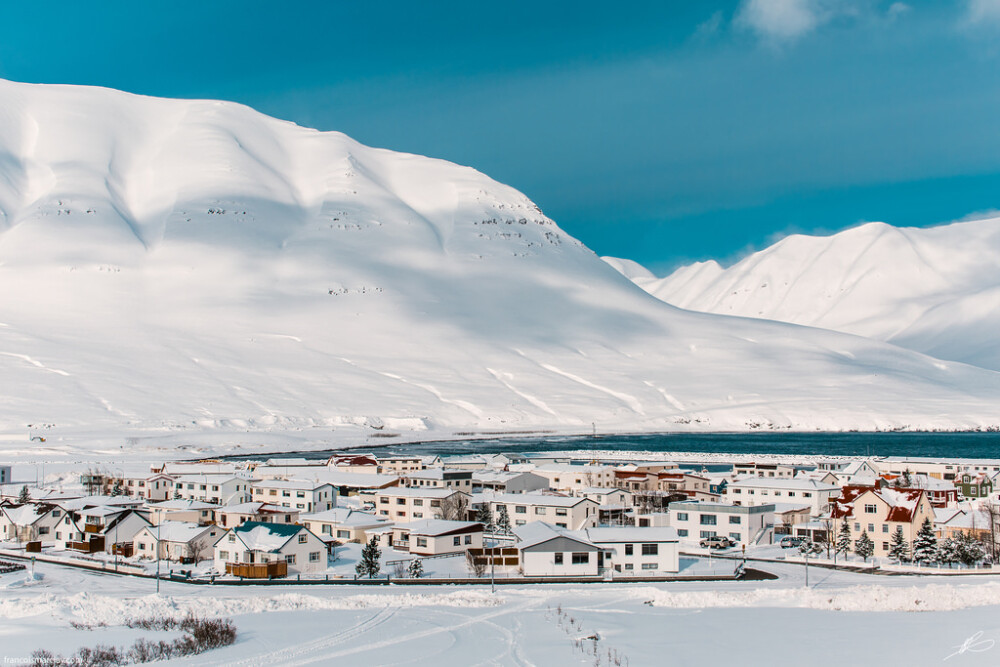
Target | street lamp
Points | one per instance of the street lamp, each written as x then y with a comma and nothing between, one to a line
158,555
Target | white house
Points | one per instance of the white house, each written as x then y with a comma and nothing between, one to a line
177,541
433,537
5,475
576,477
637,551
561,511
342,524
261,543
750,491
695,520
301,494
439,478
233,515
407,504
503,481
188,511
545,550
30,522
215,489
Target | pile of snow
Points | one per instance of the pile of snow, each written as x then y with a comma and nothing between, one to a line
195,264
945,597
933,290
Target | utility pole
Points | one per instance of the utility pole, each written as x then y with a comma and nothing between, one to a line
493,583
158,555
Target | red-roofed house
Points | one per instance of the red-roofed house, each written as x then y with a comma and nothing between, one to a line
879,511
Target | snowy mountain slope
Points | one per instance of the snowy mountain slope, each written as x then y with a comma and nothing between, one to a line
933,290
171,262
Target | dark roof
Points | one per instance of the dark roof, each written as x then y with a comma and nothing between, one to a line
283,529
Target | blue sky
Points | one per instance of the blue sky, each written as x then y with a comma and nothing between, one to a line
665,132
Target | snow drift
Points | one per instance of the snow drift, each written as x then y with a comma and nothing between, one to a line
173,262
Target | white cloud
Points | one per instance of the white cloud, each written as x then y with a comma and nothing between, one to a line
982,12
780,19
897,9
710,27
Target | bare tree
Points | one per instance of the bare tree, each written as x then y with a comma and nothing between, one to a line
477,567
455,507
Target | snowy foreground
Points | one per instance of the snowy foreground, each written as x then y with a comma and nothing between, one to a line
843,618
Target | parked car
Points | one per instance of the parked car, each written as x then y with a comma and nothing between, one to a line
716,542
790,542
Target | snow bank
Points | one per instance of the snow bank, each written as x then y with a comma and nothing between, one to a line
855,598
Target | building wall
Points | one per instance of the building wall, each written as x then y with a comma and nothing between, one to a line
690,529
667,559
445,544
540,563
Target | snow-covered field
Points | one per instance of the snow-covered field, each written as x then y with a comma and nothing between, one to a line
842,618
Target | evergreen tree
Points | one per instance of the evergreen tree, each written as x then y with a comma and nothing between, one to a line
899,548
810,548
864,546
968,550
925,544
485,517
503,520
369,565
844,538
24,496
946,552
117,489
906,481
416,569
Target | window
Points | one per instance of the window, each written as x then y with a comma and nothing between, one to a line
300,494
468,539
343,533
857,527
435,503
383,501
682,532
400,501
418,515
871,528
581,558
521,522
807,495
561,525
707,533
885,528
708,519
629,549
421,541
885,546
457,541
539,510
418,502
650,566
224,555
303,538
735,520
313,556
290,559
682,516
561,512
870,508
558,558
650,549
520,509
327,530
734,537
232,537
629,566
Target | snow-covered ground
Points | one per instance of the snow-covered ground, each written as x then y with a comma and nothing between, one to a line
842,618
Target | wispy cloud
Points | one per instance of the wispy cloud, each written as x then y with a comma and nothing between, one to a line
983,12
781,20
710,27
897,10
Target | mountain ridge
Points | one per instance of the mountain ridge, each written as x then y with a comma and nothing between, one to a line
175,262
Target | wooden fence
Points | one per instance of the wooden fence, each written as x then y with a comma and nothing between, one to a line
258,570
499,555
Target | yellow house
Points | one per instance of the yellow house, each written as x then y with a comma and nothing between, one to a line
879,511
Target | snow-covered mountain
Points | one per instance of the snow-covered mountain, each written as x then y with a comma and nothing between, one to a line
933,290
171,262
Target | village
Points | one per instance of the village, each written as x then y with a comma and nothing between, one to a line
362,517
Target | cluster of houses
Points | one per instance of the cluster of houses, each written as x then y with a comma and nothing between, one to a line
545,518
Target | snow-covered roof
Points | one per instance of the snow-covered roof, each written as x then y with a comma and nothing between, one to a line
436,527
608,535
27,514
417,492
293,484
792,483
539,532
344,517
180,504
177,531
536,499
266,536
254,508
